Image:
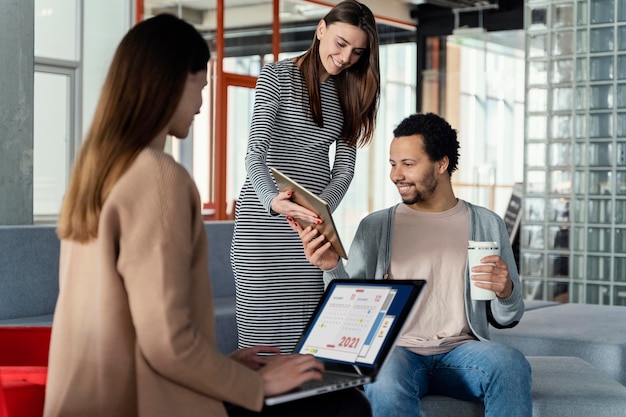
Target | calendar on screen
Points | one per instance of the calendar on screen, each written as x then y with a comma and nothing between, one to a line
352,324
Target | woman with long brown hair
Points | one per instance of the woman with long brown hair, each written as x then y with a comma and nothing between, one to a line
326,98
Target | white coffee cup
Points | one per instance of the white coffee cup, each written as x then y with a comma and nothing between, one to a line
475,252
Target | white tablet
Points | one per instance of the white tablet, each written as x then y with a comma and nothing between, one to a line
307,199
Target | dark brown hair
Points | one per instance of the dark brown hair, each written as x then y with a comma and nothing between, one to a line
141,92
358,86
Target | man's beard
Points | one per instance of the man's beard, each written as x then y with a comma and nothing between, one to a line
429,184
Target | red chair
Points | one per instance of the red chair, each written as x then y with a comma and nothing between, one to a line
23,370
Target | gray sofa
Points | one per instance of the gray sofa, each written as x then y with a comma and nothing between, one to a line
576,351
29,265
562,386
220,235
594,333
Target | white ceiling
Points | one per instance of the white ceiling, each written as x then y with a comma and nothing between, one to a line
203,4
251,13
243,14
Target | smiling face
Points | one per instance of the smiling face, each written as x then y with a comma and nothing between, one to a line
414,174
341,46
189,104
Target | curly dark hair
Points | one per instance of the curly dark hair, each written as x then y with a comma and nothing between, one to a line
439,137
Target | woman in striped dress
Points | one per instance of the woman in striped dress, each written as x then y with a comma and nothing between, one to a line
329,95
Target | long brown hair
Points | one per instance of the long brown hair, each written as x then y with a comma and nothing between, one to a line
140,94
358,86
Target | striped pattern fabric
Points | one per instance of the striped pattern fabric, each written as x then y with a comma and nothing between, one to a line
276,287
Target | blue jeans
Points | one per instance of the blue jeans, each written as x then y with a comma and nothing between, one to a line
495,374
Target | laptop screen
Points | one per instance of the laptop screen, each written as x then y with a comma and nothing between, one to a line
357,321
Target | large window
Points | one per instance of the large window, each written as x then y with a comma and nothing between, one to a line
70,72
71,60
53,138
57,55
476,83
75,41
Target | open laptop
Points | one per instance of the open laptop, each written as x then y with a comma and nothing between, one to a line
352,330
313,202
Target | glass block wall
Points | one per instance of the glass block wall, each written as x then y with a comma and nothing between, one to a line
573,230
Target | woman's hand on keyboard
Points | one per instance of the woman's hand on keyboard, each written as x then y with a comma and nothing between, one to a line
286,372
255,357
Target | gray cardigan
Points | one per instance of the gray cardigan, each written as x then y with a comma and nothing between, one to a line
370,254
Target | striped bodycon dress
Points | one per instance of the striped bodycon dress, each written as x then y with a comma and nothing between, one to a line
276,287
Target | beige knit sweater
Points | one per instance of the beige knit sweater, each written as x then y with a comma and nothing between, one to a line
133,331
